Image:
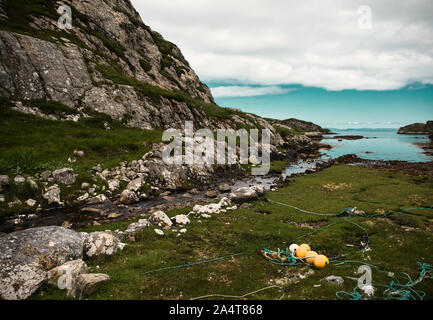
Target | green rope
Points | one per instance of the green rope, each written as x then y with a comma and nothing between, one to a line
194,263
402,291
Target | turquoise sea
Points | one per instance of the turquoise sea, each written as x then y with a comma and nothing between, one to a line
383,144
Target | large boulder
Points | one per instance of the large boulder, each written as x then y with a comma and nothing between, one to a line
26,256
64,176
160,219
100,244
245,194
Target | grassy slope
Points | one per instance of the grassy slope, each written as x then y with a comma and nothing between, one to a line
248,231
31,144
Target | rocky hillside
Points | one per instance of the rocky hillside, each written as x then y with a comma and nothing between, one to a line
417,128
109,62
92,101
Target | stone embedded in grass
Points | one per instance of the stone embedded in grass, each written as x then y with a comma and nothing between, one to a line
19,179
71,269
64,176
4,182
101,244
79,153
159,218
182,219
334,280
137,226
45,175
86,284
159,232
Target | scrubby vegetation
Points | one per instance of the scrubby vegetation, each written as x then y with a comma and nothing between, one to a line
394,247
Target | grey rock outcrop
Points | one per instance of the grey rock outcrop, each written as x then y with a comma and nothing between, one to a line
64,176
26,256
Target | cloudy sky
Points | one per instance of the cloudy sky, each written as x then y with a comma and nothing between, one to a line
255,48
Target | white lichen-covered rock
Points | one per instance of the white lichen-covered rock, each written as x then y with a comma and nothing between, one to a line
159,232
100,198
99,244
137,226
113,185
83,197
213,207
182,219
135,185
31,202
19,179
128,197
27,255
4,180
64,176
159,218
245,194
53,195
86,284
67,273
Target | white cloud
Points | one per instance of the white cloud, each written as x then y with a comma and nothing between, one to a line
314,43
248,91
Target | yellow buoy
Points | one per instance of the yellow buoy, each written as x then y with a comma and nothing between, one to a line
303,250
321,261
310,257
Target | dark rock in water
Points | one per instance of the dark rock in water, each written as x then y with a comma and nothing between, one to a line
348,137
212,194
26,256
224,187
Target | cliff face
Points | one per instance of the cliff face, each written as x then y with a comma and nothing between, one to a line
110,61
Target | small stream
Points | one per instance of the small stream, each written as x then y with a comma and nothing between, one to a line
73,217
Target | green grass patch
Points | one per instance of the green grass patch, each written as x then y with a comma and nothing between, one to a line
247,231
